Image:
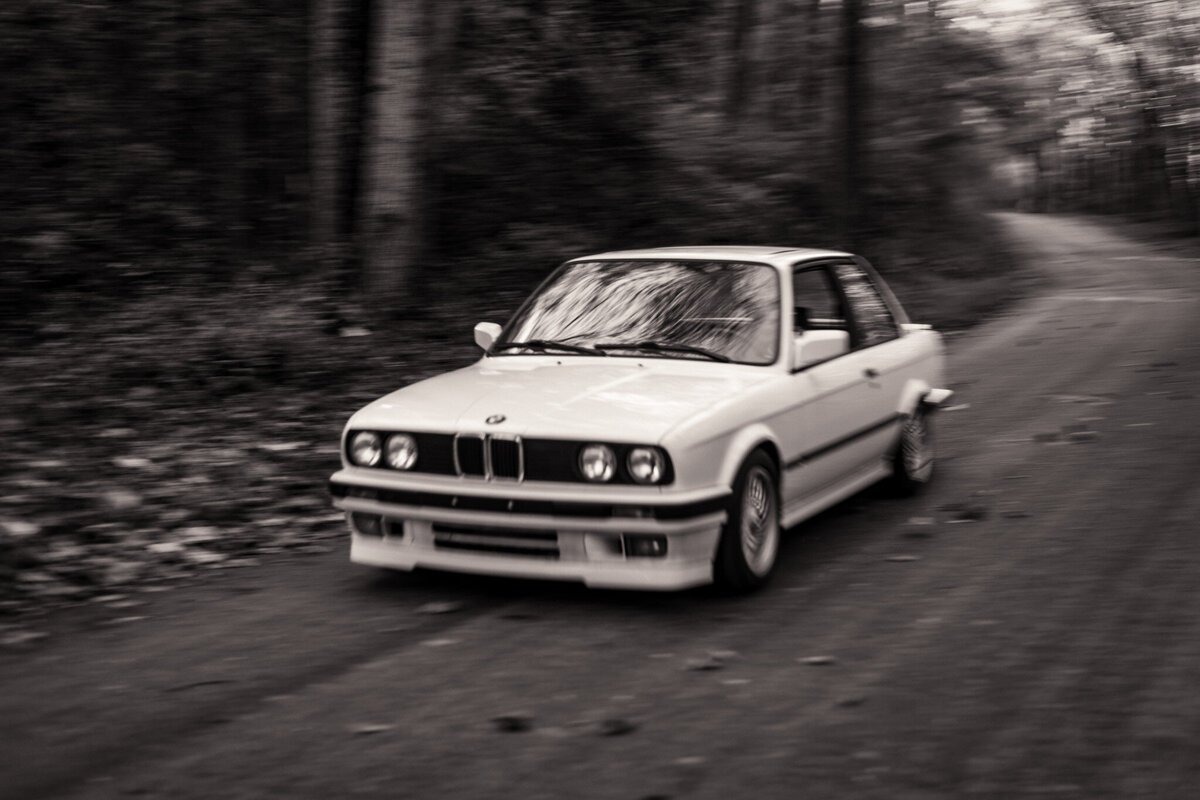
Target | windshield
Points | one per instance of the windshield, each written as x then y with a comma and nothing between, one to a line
726,311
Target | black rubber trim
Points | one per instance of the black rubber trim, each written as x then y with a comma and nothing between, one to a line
813,455
554,460
468,502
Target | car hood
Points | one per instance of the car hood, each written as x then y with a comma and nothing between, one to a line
617,399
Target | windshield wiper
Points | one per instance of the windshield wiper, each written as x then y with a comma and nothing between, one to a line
550,344
665,347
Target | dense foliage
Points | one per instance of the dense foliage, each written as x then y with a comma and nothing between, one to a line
147,136
1104,115
150,137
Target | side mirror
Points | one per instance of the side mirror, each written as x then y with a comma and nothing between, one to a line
486,334
815,346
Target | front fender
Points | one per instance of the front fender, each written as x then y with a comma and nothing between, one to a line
741,445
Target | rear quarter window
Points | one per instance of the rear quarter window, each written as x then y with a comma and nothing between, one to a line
872,316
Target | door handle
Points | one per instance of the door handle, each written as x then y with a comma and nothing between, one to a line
871,373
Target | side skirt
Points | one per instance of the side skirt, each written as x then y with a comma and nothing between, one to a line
803,508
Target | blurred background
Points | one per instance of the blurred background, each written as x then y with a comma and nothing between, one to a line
226,223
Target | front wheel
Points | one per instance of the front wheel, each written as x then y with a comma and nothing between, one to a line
914,455
750,538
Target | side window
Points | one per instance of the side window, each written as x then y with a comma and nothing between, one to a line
871,314
817,305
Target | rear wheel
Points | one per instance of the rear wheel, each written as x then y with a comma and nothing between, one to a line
913,459
750,538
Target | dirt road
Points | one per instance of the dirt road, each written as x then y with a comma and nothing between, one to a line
1029,627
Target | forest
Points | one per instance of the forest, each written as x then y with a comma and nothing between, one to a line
228,222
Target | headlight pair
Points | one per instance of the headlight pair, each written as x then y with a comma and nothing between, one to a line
598,463
399,450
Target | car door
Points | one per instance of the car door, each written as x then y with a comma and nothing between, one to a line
844,420
880,356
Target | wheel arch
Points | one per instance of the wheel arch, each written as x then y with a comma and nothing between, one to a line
745,442
912,396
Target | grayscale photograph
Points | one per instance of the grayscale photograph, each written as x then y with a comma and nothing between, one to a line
600,399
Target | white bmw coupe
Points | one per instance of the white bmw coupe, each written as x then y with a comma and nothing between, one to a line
649,419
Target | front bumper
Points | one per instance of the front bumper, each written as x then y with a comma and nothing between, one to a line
531,531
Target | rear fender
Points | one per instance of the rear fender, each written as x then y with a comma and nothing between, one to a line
911,399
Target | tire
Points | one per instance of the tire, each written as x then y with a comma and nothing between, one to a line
749,544
912,460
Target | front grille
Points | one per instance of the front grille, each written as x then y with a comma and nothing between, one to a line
489,456
468,455
501,541
506,458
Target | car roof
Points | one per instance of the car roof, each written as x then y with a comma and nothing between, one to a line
776,256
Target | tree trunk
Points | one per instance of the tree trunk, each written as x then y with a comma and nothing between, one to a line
393,222
329,102
737,97
854,99
783,58
813,66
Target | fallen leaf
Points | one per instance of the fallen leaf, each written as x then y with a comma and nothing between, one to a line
19,529
818,661
199,533
513,723
198,556
122,499
282,447
440,607
132,462
706,664
21,638
616,727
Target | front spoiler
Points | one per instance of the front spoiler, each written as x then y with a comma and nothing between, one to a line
584,532
646,574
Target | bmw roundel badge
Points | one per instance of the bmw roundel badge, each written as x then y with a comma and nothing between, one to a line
495,419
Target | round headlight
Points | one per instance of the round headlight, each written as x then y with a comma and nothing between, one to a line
597,462
645,464
365,449
401,451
